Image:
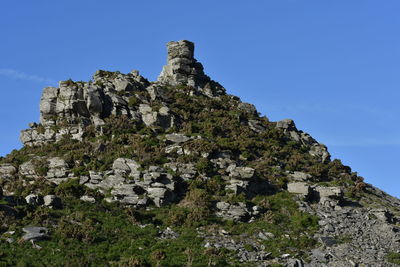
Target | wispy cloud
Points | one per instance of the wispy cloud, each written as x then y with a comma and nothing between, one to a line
15,74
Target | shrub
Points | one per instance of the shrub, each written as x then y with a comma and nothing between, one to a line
157,256
393,257
205,166
40,129
198,207
70,188
133,101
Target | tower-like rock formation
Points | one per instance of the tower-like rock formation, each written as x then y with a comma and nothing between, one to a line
183,69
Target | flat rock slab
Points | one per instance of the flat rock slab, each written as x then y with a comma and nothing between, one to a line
34,233
177,138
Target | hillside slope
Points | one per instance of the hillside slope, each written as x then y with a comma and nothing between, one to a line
121,171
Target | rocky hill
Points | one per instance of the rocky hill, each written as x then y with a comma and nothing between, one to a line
122,171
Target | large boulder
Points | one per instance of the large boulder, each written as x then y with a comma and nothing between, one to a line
34,233
94,101
33,199
57,168
236,212
48,103
124,190
299,176
316,149
28,169
382,214
300,188
248,108
240,172
127,166
7,171
286,124
177,138
320,151
107,183
329,195
161,118
122,84
52,201
329,192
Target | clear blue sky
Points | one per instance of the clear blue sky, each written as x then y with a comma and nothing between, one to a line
332,66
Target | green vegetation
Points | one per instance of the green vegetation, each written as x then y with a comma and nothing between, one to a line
220,123
393,257
344,239
94,234
70,188
83,234
133,101
293,230
203,165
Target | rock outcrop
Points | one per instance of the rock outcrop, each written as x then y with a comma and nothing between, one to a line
182,146
7,171
73,106
318,150
183,69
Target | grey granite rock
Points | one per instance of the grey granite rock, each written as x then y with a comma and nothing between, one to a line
240,172
88,199
52,201
34,233
28,169
315,149
237,212
299,176
33,199
300,188
7,171
183,69
127,166
57,168
248,108
349,234
177,138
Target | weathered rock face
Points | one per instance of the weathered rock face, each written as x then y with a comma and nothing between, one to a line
316,149
300,188
7,171
237,212
34,233
70,108
131,186
28,169
52,201
329,196
57,168
183,69
353,236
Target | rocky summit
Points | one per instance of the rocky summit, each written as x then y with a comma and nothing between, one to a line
122,171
